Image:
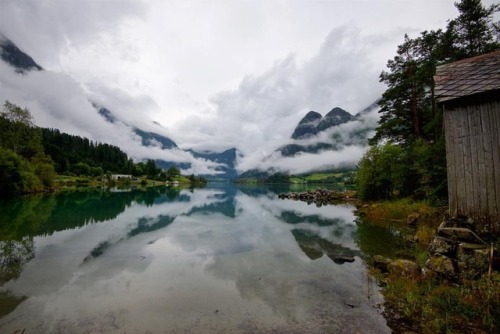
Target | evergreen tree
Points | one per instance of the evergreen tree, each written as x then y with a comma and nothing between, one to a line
409,117
474,31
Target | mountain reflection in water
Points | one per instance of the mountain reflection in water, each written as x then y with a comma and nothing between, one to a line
220,259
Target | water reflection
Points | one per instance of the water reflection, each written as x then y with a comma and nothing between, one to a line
315,247
196,261
44,215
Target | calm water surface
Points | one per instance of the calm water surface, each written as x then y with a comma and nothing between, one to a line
213,260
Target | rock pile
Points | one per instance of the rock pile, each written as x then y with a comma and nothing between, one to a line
457,252
319,197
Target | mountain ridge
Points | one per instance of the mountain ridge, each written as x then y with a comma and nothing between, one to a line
309,134
313,134
23,63
11,54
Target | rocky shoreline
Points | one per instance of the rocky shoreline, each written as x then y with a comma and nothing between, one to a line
425,289
319,197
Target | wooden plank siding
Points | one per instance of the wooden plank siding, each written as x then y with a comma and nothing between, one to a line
494,111
451,160
473,161
469,93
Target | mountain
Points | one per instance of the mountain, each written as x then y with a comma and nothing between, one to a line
313,123
314,134
154,139
227,159
336,130
335,117
13,56
307,125
23,63
147,138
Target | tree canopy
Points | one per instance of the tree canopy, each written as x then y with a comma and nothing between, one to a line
24,167
409,116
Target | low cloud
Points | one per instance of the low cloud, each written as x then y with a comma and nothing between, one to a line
307,162
57,101
261,114
350,147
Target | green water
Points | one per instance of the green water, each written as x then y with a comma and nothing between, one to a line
221,259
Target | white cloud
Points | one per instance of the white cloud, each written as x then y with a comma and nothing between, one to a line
215,74
57,101
261,114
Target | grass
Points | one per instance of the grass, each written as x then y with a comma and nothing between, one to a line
400,209
429,304
315,177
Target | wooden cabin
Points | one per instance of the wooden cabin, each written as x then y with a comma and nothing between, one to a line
468,91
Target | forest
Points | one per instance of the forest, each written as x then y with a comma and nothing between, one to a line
32,157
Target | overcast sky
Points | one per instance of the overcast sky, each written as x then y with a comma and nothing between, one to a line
215,74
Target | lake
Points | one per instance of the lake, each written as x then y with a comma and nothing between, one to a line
222,259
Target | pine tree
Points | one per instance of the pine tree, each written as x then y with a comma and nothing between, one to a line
409,116
474,32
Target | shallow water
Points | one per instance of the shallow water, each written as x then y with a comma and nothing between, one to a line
213,260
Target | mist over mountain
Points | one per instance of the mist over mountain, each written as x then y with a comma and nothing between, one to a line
12,55
336,130
226,160
60,101
31,86
313,122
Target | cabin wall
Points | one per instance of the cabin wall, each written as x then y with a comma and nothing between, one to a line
473,160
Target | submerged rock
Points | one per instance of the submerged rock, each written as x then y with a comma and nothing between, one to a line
319,197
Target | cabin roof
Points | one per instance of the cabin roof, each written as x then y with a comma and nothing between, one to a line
467,77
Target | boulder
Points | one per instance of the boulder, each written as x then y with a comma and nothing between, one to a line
473,260
404,268
381,263
459,233
443,246
442,265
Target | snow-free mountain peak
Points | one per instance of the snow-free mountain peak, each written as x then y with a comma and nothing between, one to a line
13,56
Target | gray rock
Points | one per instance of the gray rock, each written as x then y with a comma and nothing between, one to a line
443,246
404,268
381,263
442,265
460,233
473,260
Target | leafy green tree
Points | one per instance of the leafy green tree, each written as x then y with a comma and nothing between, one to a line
16,175
16,114
173,172
279,177
44,170
381,172
138,169
150,169
18,132
96,171
82,168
